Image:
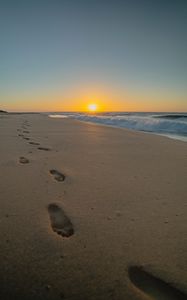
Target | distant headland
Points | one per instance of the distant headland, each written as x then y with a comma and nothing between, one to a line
3,111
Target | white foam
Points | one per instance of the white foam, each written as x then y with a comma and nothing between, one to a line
58,116
164,124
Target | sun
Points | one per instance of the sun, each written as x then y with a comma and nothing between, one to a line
92,107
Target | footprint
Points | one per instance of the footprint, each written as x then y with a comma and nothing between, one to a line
44,149
26,138
25,131
60,223
34,143
23,160
152,286
57,175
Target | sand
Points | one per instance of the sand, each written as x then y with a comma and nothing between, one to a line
90,212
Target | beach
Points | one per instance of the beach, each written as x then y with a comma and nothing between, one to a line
90,212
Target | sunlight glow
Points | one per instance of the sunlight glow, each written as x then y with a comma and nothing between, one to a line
92,107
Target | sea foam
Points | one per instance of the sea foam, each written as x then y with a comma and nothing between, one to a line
173,125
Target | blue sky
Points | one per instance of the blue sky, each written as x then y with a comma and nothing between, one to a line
126,47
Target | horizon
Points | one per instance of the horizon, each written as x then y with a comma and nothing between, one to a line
99,112
122,56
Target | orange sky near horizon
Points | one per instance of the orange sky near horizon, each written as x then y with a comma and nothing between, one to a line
106,100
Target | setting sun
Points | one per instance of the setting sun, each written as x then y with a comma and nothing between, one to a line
92,107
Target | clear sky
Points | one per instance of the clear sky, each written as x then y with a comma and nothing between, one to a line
60,55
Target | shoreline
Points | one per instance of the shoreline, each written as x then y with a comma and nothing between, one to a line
116,198
173,136
177,138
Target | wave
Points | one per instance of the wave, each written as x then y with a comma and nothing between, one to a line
173,116
165,124
58,116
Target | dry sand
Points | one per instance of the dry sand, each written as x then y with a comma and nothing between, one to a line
117,198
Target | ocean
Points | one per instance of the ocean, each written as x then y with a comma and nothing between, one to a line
172,125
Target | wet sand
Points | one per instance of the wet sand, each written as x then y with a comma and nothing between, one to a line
90,212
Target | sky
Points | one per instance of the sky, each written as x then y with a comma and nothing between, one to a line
123,55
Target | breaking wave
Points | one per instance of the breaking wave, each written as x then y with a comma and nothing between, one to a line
173,125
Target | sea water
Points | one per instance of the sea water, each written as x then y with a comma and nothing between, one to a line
173,125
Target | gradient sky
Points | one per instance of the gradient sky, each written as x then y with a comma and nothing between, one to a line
58,55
